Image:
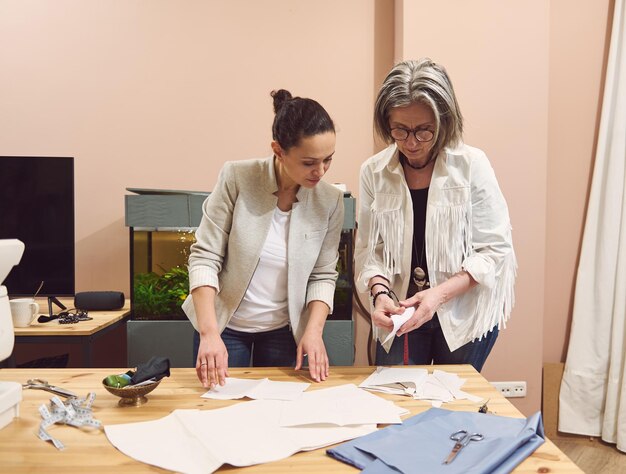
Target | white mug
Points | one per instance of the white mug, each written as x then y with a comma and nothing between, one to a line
23,311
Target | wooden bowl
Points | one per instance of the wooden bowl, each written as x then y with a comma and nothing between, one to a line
132,396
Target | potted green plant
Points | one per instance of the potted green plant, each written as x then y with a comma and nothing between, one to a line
160,296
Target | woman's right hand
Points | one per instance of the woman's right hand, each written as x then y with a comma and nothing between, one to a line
212,361
384,309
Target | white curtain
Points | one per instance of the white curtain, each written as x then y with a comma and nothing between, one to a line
593,389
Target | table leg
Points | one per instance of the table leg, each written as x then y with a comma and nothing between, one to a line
87,352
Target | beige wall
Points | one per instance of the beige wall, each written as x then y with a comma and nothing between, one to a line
528,78
160,93
500,75
579,39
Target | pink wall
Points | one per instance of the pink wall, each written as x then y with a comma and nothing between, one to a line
500,74
528,78
160,93
579,39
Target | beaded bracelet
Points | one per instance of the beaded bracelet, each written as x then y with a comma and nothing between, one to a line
381,284
382,292
389,293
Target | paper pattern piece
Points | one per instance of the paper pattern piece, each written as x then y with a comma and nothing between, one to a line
258,389
343,405
398,321
164,443
423,440
396,381
438,387
195,441
453,383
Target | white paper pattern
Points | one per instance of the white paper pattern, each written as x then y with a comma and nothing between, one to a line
398,321
258,389
438,387
343,405
194,441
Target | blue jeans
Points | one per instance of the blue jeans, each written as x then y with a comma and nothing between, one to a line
427,345
276,348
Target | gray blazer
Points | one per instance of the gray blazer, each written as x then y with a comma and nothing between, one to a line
235,223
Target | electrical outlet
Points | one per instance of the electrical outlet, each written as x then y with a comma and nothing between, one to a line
511,389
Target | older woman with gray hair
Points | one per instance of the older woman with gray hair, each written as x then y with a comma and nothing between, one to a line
434,228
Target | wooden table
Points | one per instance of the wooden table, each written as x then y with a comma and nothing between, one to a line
83,333
87,451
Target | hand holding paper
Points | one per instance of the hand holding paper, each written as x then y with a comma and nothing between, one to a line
398,321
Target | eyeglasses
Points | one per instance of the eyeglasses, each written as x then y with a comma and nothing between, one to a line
421,135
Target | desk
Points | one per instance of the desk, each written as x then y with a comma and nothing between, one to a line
82,333
21,450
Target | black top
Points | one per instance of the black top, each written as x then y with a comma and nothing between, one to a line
420,199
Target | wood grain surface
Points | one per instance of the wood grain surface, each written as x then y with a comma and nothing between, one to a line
101,320
89,451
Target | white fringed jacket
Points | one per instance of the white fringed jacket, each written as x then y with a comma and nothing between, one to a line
467,228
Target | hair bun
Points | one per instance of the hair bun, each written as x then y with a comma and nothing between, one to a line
280,97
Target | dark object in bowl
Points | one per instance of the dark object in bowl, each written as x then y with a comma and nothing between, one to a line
133,396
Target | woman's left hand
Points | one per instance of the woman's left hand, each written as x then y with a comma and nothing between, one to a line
426,304
312,346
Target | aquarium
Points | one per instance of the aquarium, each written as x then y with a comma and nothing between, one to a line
162,226
159,277
342,302
160,281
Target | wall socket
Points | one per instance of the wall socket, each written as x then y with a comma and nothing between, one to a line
511,389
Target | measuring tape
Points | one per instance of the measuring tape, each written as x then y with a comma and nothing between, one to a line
74,412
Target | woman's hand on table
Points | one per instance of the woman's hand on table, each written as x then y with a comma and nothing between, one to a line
312,346
212,361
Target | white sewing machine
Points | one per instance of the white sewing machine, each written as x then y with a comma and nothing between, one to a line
11,251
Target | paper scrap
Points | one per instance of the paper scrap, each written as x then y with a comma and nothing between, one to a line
438,387
402,381
343,406
398,321
258,389
454,383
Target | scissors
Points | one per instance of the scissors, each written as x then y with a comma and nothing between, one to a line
462,438
44,385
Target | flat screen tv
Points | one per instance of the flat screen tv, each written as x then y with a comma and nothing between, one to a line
37,207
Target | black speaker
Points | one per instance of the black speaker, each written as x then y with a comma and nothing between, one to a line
99,300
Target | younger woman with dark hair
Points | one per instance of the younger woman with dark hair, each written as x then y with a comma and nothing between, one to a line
263,269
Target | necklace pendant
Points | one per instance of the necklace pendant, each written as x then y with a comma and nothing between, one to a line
419,278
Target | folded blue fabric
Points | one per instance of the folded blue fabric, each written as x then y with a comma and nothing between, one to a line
422,443
348,453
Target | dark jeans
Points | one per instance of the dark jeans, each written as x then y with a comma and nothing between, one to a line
428,346
275,348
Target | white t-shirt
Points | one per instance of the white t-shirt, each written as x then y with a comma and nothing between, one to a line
264,306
